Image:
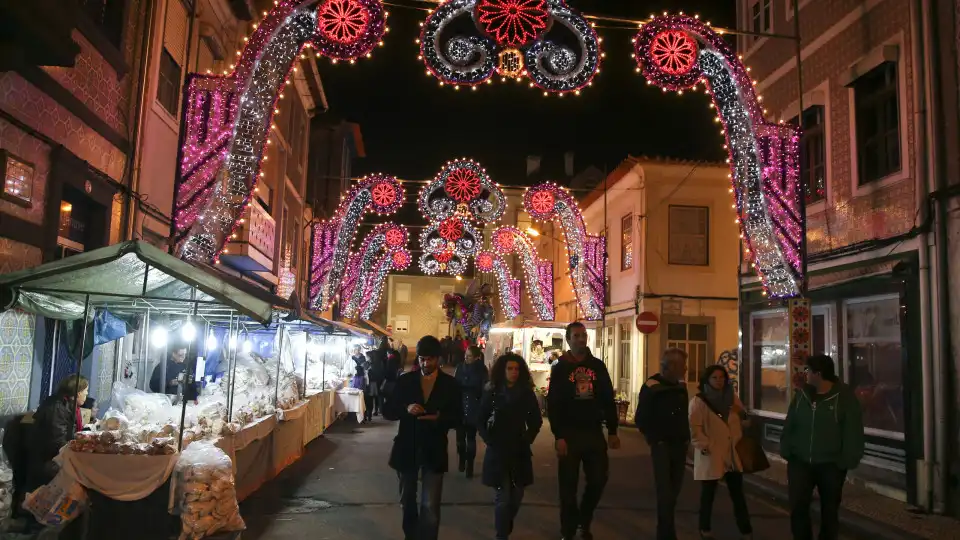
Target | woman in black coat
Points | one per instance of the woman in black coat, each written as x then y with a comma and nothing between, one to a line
471,378
509,421
54,425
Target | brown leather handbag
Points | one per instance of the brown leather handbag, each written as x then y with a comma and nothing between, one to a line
751,455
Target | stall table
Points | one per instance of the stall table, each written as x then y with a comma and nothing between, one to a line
346,402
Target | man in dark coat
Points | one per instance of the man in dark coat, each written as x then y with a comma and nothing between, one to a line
376,374
176,366
471,377
427,404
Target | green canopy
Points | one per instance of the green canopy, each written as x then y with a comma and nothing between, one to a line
130,276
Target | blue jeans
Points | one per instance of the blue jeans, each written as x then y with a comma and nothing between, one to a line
421,520
508,498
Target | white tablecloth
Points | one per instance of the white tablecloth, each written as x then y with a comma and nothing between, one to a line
349,403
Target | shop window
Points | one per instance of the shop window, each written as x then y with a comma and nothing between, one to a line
877,123
626,242
608,353
626,348
17,180
688,231
769,350
813,153
693,339
168,87
875,360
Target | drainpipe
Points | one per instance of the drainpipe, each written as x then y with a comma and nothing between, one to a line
132,173
928,298
937,181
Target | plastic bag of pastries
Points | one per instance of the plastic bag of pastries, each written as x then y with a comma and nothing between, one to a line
207,493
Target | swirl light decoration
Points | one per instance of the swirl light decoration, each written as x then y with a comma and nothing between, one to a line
228,118
537,272
332,239
676,52
585,252
509,288
367,269
512,38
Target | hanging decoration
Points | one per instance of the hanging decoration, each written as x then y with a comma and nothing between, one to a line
538,273
447,245
586,253
509,287
227,119
676,52
332,239
544,40
288,280
362,287
470,315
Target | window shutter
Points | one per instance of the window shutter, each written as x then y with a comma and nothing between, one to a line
175,30
204,58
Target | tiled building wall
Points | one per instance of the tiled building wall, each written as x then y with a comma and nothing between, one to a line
16,361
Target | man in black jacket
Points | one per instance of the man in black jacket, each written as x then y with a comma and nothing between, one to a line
662,418
580,402
427,404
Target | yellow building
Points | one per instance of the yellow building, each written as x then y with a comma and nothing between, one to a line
673,250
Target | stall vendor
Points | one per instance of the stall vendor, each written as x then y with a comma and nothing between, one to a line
176,366
54,425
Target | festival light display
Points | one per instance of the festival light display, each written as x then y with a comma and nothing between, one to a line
397,261
228,118
514,38
332,239
586,253
362,287
676,52
538,273
509,287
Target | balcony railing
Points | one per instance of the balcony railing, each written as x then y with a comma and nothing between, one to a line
251,247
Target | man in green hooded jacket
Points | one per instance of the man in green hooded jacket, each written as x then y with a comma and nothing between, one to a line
822,439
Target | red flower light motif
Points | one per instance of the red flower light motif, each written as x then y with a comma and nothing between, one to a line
384,194
485,262
444,257
513,23
451,229
342,21
542,202
395,237
401,260
462,185
674,52
505,241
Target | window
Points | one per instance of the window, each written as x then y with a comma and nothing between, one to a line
168,87
626,242
768,336
401,324
756,18
759,15
401,293
205,60
875,360
17,180
626,357
688,235
694,339
813,153
108,16
608,350
877,123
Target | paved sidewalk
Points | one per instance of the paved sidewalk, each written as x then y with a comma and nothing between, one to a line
343,489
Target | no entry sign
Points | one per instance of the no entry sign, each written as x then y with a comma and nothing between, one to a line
647,322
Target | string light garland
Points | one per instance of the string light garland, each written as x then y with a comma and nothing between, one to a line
763,156
539,30
368,267
538,273
398,261
509,287
332,239
585,252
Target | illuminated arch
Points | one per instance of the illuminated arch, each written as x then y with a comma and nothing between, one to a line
678,52
332,239
363,280
585,252
487,262
538,272
227,119
397,261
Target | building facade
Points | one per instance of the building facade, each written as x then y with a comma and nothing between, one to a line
871,273
414,306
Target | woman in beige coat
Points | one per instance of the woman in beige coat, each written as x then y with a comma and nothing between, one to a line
715,429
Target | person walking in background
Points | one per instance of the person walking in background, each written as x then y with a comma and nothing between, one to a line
376,374
580,401
715,429
822,439
508,420
662,418
426,402
471,377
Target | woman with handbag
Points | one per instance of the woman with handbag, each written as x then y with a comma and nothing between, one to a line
508,422
716,429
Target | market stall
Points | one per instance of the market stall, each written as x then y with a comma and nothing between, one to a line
534,341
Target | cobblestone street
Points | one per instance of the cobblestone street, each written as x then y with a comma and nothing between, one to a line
343,489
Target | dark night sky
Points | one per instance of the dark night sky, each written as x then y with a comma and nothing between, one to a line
411,126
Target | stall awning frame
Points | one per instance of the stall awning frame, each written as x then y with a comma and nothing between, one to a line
129,276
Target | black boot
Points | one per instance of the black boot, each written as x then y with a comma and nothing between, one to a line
469,468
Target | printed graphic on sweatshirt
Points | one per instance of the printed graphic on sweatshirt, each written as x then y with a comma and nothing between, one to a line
582,379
